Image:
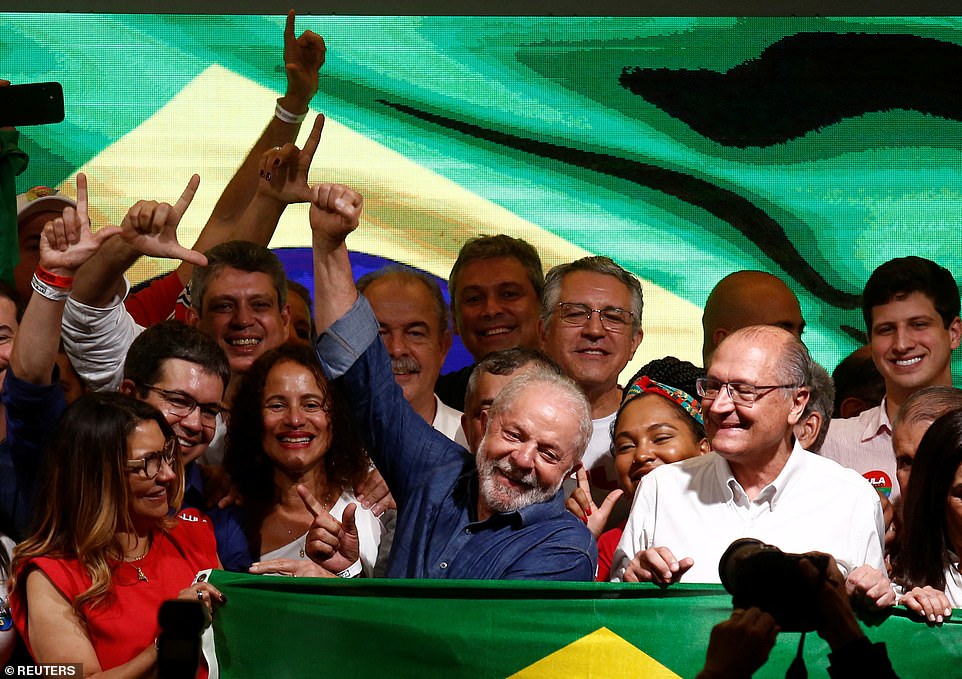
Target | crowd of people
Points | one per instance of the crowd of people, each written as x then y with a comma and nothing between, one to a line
221,418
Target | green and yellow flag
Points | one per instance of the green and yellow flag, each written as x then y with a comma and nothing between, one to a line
284,627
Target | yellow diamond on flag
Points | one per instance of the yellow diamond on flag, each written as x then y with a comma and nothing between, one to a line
599,655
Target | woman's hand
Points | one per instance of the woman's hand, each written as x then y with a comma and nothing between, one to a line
334,545
930,603
294,568
204,592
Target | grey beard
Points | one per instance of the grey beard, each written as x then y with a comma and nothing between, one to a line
503,499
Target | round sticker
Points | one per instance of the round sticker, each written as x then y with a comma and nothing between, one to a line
880,481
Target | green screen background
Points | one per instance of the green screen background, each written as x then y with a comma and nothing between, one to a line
528,114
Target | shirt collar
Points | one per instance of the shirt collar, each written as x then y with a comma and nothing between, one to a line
466,490
774,490
877,422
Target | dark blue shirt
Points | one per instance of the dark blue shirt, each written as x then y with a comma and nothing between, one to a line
435,481
32,411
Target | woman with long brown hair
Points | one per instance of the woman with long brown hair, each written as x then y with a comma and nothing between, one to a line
89,582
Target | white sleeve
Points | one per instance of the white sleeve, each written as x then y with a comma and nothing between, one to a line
96,341
638,531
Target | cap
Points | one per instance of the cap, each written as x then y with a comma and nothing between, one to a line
41,198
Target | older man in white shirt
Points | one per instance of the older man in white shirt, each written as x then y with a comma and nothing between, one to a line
756,483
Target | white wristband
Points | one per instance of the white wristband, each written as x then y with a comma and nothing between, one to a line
286,116
351,571
48,291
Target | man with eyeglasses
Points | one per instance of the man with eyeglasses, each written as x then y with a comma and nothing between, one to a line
757,482
184,373
591,326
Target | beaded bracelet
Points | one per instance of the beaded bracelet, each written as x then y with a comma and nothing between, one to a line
286,116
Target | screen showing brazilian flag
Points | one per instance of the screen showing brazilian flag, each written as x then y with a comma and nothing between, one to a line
683,148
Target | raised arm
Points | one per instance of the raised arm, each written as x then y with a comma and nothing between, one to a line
303,58
148,228
65,245
97,336
335,212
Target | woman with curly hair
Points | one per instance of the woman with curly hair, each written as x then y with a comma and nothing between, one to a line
291,441
107,552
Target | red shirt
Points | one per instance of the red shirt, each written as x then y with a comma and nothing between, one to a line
125,622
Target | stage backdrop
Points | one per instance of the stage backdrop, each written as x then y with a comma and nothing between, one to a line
684,148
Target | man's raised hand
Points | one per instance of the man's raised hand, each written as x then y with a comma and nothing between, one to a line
67,241
303,58
335,212
151,227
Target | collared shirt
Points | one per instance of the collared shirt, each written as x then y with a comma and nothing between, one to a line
447,420
696,508
435,482
864,443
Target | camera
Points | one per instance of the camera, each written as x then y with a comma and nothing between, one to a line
761,575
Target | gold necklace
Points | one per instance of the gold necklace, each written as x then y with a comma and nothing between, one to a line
140,573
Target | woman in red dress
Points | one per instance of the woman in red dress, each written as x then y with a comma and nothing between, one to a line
107,551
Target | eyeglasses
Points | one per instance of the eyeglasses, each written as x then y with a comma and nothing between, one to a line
182,405
613,319
150,463
741,393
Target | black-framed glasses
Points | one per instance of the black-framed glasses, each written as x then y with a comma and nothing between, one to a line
150,463
613,319
741,393
182,405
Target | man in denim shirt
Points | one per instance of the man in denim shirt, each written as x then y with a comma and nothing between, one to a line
497,515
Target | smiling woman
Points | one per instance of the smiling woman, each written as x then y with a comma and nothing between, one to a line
89,582
289,429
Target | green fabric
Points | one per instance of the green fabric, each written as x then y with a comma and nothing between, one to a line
13,161
283,627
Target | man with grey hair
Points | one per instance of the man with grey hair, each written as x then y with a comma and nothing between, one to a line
812,427
591,326
757,482
413,320
496,515
914,418
489,377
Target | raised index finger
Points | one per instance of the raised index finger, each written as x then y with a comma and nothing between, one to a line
289,28
187,196
313,506
313,139
81,193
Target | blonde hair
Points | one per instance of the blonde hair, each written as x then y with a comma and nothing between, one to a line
86,490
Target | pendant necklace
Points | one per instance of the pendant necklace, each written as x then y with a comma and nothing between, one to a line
140,573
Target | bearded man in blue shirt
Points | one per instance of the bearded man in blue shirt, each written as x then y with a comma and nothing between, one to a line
498,514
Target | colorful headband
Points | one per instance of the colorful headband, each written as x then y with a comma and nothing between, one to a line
644,385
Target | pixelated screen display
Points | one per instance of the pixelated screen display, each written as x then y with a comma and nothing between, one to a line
683,148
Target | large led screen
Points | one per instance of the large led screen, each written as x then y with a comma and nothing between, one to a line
683,148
